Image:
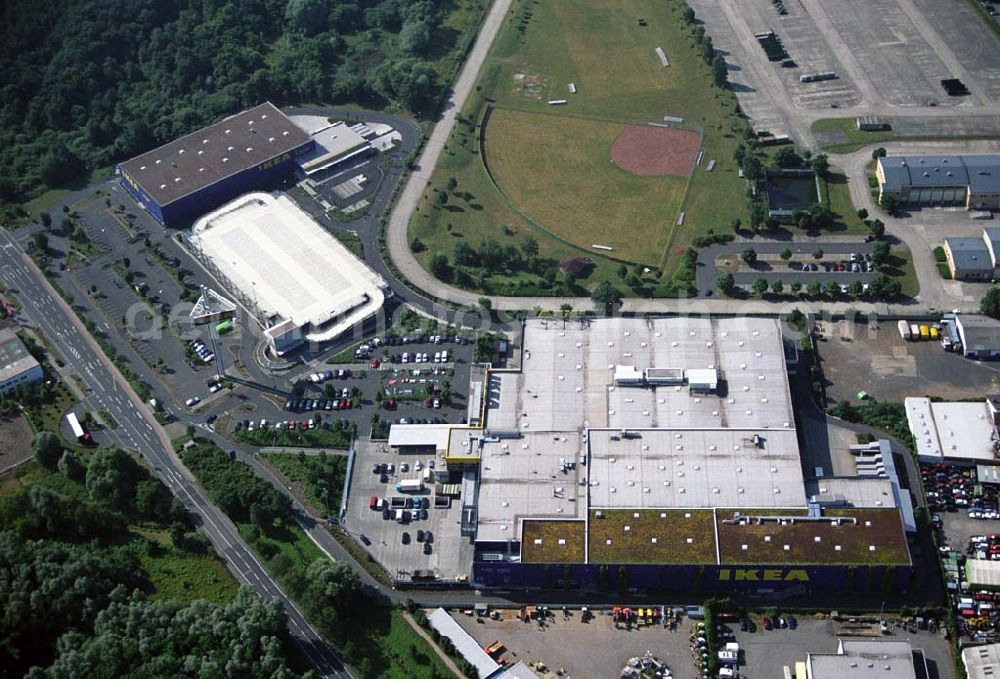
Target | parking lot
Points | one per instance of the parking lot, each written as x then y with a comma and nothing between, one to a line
583,649
879,361
449,554
766,652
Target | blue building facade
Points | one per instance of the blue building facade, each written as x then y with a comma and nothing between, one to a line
209,197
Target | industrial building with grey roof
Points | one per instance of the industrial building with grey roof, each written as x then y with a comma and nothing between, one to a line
971,181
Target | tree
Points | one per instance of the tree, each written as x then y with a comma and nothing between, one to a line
111,479
566,309
735,224
465,255
787,157
862,213
989,305
688,16
889,203
725,283
760,286
786,254
777,287
817,254
47,449
417,245
307,17
720,72
452,183
881,253
814,289
622,271
46,219
331,594
833,288
529,247
749,256
884,289
877,227
440,266
42,242
820,164
607,296
795,287
856,288
878,153
71,466
486,304
442,197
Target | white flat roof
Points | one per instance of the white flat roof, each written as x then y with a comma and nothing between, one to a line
695,468
982,662
277,255
950,430
861,659
420,435
463,642
982,572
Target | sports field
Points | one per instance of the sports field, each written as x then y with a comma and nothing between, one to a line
558,172
553,164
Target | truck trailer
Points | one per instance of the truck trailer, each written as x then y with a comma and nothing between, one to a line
81,434
410,486
904,329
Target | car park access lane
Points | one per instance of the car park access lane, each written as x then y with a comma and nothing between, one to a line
57,322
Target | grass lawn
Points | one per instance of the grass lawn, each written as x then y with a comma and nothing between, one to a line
570,188
841,135
305,438
184,576
942,263
311,473
839,197
600,48
899,265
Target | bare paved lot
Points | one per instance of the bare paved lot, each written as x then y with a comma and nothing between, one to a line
15,441
767,652
584,650
890,369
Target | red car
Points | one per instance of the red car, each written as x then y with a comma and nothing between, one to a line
767,623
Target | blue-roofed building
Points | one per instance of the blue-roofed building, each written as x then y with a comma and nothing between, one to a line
972,182
969,259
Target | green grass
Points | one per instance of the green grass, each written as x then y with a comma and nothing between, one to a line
839,197
841,135
289,540
184,576
50,199
941,259
352,242
48,416
599,47
570,188
311,472
899,265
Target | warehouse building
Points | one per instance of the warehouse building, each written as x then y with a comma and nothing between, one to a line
659,454
972,182
17,365
979,336
863,658
303,284
953,431
982,662
202,170
968,259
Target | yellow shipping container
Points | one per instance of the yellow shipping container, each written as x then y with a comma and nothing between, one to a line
934,333
924,332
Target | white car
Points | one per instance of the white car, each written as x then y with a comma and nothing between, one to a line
193,401
418,465
215,387
404,467
316,378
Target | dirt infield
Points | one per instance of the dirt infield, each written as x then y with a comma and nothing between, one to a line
655,151
15,441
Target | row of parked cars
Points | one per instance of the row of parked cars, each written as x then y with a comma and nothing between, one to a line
299,405
417,338
203,352
327,375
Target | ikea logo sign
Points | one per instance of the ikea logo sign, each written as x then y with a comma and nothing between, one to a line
763,575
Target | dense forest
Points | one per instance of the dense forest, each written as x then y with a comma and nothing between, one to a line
84,83
73,586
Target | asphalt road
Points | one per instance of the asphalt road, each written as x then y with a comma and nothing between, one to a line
53,317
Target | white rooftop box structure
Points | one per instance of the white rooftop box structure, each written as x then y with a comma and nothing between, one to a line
702,379
952,430
628,375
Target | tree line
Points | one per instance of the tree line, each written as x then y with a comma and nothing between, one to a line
72,581
85,83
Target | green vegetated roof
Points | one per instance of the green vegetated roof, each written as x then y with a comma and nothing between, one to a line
554,541
667,536
874,536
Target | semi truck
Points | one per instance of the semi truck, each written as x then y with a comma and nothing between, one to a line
410,486
81,434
